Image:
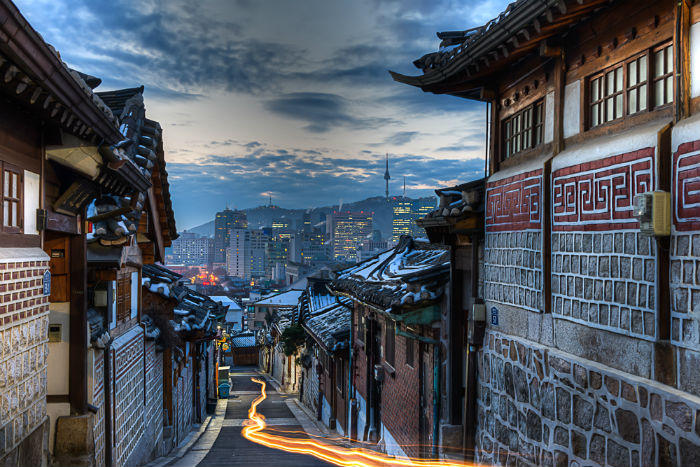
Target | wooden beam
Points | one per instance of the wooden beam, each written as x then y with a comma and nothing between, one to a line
77,354
155,221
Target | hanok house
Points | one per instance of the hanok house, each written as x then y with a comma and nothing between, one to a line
592,347
283,368
325,371
186,328
244,349
458,224
399,301
59,151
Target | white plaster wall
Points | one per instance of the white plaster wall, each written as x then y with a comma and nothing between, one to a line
572,108
695,60
61,409
549,117
326,412
361,416
391,447
32,183
58,359
642,136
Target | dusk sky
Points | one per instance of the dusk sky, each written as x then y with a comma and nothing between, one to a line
289,99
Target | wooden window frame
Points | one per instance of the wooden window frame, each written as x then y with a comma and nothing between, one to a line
526,137
7,167
649,80
390,351
123,296
410,352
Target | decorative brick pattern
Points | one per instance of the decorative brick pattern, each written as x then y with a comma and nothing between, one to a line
514,203
154,391
685,289
98,400
605,280
23,349
686,187
599,195
128,390
540,407
184,402
309,395
513,269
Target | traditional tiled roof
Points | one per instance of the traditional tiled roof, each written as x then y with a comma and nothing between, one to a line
193,311
289,298
326,317
458,201
516,31
412,274
242,340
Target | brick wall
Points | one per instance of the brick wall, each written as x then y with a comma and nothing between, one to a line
23,344
184,402
538,406
98,400
401,400
513,244
603,269
128,390
310,395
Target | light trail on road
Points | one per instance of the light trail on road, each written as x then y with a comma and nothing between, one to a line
338,455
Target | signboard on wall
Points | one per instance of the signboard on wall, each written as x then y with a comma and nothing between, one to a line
494,316
47,282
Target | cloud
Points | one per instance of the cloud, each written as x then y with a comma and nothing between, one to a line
401,138
321,111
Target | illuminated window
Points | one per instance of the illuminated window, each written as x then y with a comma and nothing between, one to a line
11,191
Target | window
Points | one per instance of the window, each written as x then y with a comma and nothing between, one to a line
339,376
389,343
361,328
523,130
123,296
638,84
11,191
410,349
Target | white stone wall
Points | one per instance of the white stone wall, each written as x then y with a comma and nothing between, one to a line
184,402
24,314
128,389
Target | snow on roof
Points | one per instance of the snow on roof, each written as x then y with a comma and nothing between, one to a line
224,300
413,273
243,340
233,316
289,298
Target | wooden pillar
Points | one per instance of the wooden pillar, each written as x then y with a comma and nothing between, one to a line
78,372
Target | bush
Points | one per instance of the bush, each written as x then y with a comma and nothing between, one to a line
292,338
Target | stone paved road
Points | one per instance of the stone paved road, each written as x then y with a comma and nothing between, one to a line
230,448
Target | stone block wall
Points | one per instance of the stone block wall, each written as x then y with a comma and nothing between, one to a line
128,392
513,269
685,246
605,280
512,257
184,402
24,314
309,396
538,406
603,268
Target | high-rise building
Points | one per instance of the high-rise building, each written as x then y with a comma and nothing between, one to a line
349,230
223,223
405,213
276,252
403,217
281,228
245,257
190,249
306,222
421,207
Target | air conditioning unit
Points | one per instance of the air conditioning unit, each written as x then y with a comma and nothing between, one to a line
653,210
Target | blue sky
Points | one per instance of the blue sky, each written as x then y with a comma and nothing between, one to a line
292,100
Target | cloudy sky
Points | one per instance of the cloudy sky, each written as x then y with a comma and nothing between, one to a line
281,98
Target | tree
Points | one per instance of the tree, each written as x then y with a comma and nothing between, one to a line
292,338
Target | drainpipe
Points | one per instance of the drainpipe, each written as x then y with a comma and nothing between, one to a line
436,396
109,455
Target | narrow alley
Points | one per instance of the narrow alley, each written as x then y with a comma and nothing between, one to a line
222,443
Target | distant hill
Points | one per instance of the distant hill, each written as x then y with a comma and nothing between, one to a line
262,216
